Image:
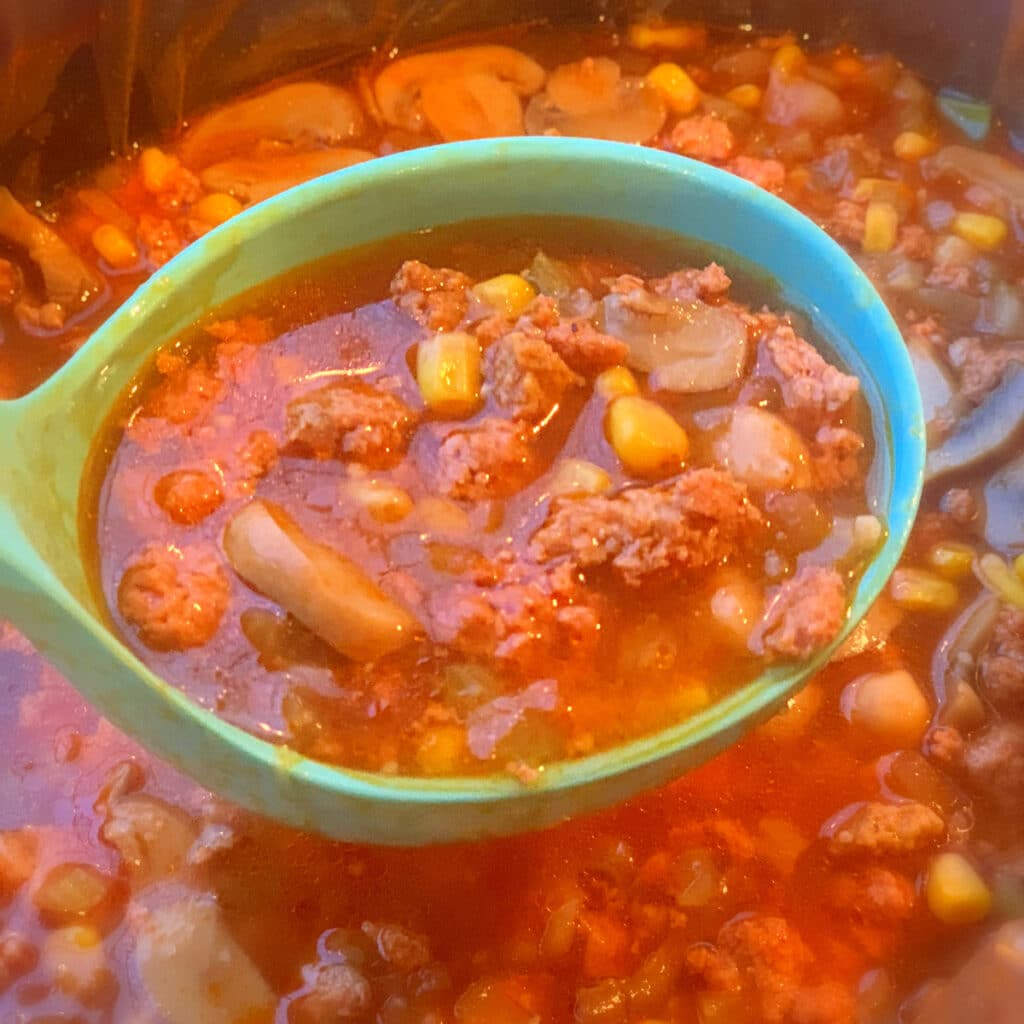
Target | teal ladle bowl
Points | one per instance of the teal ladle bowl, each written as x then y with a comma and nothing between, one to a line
48,439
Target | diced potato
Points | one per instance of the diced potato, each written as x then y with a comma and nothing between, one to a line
913,146
116,248
667,37
645,437
679,91
78,964
152,836
385,502
75,892
577,476
157,169
194,969
216,208
747,96
889,706
562,927
448,373
952,559
982,230
881,222
956,893
615,382
922,591
763,451
507,293
323,589
789,59
441,750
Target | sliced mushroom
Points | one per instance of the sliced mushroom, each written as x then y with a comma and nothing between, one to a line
939,395
963,641
991,172
791,101
323,589
68,280
591,98
301,114
1004,507
398,89
475,106
986,432
253,179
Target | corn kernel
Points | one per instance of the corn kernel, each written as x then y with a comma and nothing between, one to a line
998,577
507,293
616,382
216,208
789,59
676,88
645,437
881,222
848,66
157,169
746,96
951,559
1018,566
922,591
667,37
441,751
956,893
982,230
448,373
579,477
116,248
911,146
883,190
83,936
385,502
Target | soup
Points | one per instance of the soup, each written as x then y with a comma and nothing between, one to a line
857,858
428,520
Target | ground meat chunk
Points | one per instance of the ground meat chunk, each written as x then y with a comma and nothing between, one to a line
704,137
958,503
915,242
811,387
185,393
435,298
928,332
1001,668
258,455
525,375
584,348
836,456
713,968
335,993
174,598
527,616
847,221
767,174
690,523
944,745
349,421
160,239
188,496
981,365
994,764
491,459
802,615
17,958
692,283
246,330
877,828
876,895
401,948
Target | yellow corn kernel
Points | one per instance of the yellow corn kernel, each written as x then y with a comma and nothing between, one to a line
115,246
441,750
789,59
848,66
507,293
881,222
666,37
216,208
956,893
679,91
616,382
998,577
385,502
912,146
448,373
746,96
951,559
982,230
645,437
1018,566
922,591
883,190
157,169
83,936
579,477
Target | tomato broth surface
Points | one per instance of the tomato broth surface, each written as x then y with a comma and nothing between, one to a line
856,860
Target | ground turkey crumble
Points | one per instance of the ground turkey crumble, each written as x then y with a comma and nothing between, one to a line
349,421
437,299
525,376
703,137
802,615
993,761
692,522
175,598
491,459
1002,663
877,828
